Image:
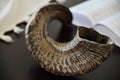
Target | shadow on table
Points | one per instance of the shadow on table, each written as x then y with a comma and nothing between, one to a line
37,73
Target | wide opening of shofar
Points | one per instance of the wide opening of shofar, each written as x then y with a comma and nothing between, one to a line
61,33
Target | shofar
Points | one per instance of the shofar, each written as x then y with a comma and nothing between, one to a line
84,53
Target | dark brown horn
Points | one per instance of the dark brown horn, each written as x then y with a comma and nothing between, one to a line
79,56
51,1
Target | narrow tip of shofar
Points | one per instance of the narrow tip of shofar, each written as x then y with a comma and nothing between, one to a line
114,38
110,41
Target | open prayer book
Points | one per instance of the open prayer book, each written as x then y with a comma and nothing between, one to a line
103,16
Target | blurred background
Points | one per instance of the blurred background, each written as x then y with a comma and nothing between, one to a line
16,62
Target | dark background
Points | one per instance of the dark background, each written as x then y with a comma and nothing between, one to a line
16,62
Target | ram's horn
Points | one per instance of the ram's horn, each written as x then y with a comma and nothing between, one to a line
84,53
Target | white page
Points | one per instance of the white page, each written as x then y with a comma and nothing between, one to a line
90,12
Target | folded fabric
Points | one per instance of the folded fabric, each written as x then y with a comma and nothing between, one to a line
103,16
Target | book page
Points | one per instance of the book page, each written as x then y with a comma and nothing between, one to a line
90,12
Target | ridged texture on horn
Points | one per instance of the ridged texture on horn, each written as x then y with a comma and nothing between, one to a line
83,57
